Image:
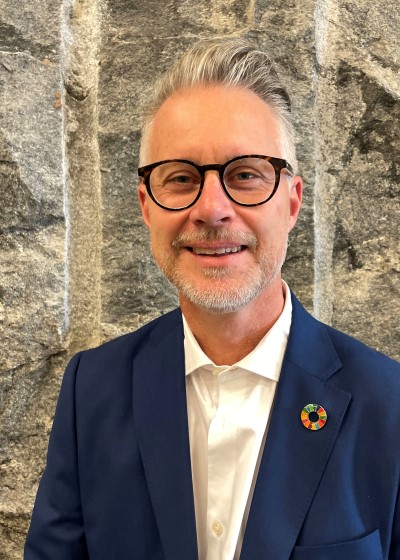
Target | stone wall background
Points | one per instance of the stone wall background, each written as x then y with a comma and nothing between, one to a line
75,267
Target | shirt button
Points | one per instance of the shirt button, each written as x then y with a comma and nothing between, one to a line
218,528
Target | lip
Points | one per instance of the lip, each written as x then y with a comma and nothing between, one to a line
218,251
214,253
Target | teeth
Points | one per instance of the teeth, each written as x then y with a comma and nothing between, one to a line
218,251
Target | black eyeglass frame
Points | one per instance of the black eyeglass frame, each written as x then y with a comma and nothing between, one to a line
277,163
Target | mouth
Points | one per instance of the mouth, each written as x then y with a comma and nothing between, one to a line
223,244
216,251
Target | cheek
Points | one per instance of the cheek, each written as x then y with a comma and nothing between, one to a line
158,237
281,219
272,238
161,235
273,224
166,226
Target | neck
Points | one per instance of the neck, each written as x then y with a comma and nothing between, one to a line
226,338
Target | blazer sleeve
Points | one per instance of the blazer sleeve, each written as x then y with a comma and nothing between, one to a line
56,529
394,553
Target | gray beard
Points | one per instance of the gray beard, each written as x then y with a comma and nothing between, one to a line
218,298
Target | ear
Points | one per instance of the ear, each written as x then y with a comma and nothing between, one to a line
144,203
295,196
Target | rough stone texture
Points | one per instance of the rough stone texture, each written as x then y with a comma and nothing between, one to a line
80,33
31,217
286,31
75,261
357,211
32,254
27,397
50,231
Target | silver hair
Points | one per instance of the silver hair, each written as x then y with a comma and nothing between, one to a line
227,62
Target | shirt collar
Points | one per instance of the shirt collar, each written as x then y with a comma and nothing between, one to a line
266,358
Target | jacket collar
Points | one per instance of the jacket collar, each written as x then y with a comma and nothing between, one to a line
160,416
294,457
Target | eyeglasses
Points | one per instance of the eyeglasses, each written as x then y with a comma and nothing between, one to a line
249,180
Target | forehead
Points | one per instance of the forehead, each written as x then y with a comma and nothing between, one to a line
213,124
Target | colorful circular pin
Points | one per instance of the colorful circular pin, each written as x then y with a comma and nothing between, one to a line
313,417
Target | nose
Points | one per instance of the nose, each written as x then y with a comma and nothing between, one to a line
213,207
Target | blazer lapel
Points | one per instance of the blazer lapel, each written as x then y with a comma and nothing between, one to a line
294,457
160,414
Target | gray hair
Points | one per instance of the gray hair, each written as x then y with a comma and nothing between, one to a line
227,62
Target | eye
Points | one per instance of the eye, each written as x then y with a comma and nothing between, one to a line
182,178
244,175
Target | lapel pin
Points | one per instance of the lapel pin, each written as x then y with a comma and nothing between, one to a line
313,417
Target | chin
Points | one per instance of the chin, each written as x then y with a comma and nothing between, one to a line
220,294
217,303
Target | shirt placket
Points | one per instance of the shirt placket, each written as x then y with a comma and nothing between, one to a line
221,469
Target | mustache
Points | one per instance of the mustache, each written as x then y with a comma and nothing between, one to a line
209,235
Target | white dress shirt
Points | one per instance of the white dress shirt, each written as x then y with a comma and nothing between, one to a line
228,411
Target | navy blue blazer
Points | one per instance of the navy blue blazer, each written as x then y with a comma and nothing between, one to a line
118,484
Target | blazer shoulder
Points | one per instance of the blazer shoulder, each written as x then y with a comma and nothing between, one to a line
350,348
105,372
366,373
133,342
324,350
112,360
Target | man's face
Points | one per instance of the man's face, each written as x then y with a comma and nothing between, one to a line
220,256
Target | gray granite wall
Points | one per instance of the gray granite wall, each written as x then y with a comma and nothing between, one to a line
75,267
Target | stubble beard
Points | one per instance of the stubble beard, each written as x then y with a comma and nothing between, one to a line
221,295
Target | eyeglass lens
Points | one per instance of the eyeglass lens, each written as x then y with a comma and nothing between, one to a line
248,181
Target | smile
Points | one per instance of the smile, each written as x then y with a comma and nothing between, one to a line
216,250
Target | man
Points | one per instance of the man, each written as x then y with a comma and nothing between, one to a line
237,426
